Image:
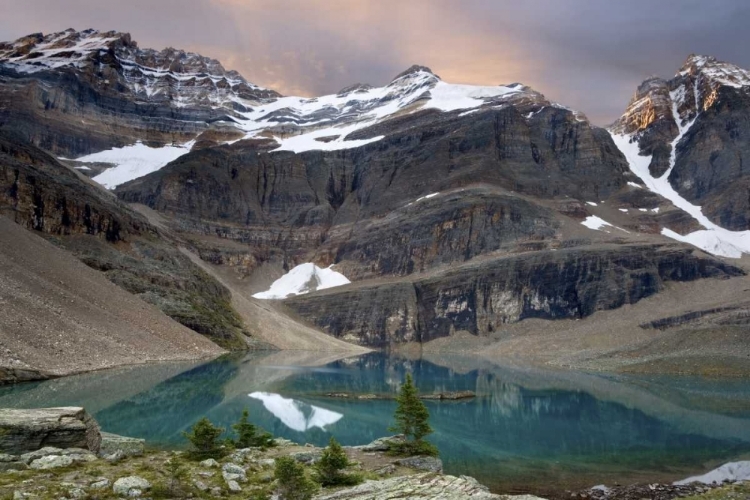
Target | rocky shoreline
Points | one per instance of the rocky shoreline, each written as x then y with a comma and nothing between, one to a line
61,453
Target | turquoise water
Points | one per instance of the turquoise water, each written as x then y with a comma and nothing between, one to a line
526,431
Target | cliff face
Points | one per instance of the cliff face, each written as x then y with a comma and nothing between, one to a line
481,297
441,191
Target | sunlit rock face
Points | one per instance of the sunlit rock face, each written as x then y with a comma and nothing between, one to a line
297,415
705,107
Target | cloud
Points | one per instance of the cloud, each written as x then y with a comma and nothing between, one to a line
587,54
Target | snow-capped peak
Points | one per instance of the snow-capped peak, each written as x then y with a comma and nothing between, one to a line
717,72
172,76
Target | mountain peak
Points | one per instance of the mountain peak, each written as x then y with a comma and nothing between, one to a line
414,69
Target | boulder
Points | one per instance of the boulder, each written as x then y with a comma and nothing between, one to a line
233,486
100,484
23,431
210,462
307,457
127,446
131,486
51,462
381,444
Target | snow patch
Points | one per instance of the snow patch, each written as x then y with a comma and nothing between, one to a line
732,471
598,224
133,161
303,279
591,203
633,184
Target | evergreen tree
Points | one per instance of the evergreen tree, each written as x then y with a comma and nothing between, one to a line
204,436
412,420
331,465
293,484
249,435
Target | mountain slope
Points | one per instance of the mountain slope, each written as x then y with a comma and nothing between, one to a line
42,195
58,316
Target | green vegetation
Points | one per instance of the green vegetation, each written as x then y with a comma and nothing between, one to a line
412,420
249,435
738,491
204,437
329,469
293,483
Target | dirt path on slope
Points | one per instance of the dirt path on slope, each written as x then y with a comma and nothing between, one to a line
264,320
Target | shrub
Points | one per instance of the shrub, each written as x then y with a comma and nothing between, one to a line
204,437
331,464
293,484
249,435
412,420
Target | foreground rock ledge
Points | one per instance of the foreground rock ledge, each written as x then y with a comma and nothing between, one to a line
425,486
23,431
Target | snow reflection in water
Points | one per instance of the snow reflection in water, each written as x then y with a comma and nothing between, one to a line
297,415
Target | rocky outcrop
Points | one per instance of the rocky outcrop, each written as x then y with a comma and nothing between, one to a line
480,297
425,486
23,431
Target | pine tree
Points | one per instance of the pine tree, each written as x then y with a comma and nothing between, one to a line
293,484
204,436
412,420
331,465
249,435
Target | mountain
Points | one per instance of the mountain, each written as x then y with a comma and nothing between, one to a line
694,128
460,214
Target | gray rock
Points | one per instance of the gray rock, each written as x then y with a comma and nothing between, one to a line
23,431
209,463
5,457
130,486
114,457
386,470
200,485
381,444
429,464
233,486
8,466
418,486
100,484
127,446
233,469
228,476
307,457
51,462
215,491
77,493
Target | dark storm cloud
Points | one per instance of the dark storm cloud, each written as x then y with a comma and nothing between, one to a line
587,54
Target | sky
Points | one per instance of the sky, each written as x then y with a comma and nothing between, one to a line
586,54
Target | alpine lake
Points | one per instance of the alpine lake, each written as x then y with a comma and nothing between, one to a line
526,430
